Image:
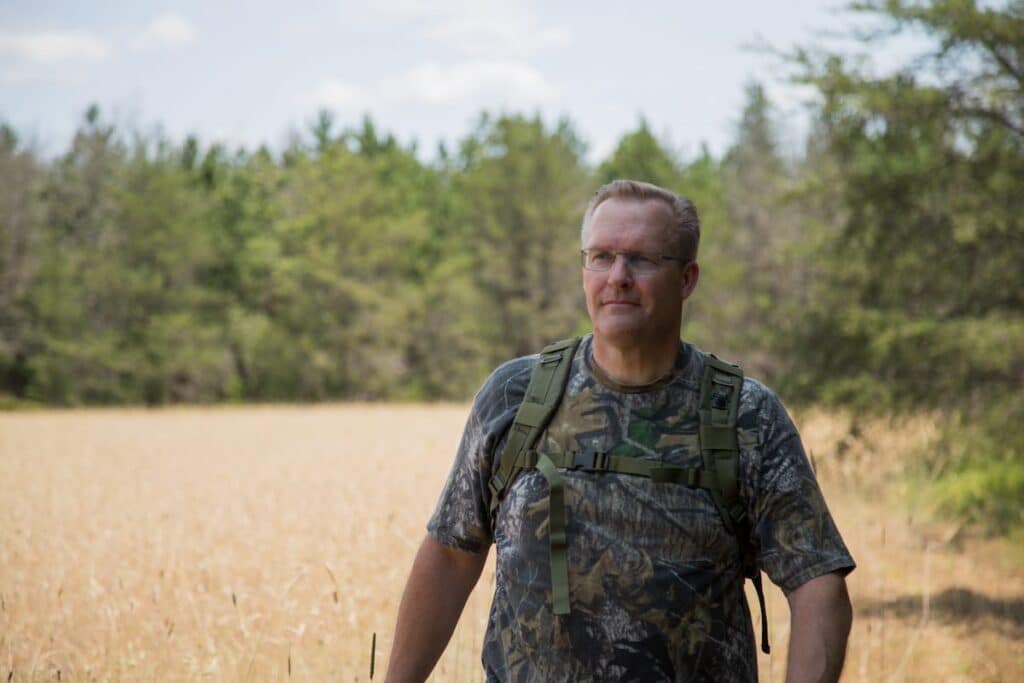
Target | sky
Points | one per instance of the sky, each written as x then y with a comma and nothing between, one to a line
251,73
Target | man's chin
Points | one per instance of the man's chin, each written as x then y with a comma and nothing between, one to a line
619,328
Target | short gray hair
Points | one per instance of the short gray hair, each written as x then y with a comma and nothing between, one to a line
684,213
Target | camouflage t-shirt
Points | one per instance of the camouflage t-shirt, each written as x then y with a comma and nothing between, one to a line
655,579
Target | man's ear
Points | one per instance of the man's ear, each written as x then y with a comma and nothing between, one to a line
691,275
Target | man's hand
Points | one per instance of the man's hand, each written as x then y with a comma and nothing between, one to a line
439,583
820,618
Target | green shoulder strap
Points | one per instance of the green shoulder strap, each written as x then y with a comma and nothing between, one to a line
720,391
543,394
719,408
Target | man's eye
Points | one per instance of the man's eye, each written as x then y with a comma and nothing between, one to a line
601,257
644,262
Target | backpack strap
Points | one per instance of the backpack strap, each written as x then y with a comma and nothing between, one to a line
718,410
720,391
543,394
557,542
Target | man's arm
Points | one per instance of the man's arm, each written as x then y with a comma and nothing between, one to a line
439,583
820,619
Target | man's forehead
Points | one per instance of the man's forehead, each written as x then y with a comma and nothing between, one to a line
650,208
641,217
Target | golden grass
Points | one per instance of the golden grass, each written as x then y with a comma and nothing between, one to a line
252,544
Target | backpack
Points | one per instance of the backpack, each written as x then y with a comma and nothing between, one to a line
718,408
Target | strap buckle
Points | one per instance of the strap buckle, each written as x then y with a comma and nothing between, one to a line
495,485
596,461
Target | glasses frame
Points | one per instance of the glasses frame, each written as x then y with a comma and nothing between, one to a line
629,255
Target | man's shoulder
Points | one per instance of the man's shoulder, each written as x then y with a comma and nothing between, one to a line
503,390
757,393
696,359
511,376
755,397
507,383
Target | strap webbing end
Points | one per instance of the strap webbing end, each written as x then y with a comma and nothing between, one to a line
759,589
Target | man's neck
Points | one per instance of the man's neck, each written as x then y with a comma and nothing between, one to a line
635,365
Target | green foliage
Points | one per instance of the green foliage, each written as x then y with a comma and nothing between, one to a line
20,211
750,232
923,299
149,272
932,227
986,494
878,269
641,156
978,466
515,209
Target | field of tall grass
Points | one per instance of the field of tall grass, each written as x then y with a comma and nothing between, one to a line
271,543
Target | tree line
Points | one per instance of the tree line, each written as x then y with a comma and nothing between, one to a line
877,266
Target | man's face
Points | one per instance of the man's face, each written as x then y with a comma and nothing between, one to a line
625,308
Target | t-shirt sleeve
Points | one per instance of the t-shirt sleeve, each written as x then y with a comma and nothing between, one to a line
461,517
796,537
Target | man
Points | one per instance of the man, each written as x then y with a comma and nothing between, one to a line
655,577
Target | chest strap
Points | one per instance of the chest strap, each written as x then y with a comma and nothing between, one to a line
593,461
548,464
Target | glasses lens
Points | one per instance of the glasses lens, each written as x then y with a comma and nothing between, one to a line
598,259
642,265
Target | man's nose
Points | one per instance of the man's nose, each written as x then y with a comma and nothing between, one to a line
620,274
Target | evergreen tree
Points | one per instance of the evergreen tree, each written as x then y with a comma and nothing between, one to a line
518,203
20,253
641,156
925,304
926,258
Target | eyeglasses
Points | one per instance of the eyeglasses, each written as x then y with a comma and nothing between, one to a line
639,264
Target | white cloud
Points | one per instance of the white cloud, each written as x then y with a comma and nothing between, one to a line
482,35
481,28
167,30
47,48
336,94
509,81
488,82
408,8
